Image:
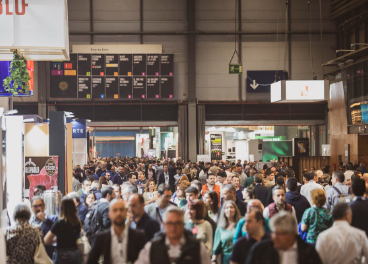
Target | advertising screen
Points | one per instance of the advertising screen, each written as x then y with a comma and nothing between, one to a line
274,149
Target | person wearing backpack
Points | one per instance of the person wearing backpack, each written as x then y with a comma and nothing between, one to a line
97,220
338,190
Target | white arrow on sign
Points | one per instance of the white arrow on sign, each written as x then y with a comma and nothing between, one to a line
254,85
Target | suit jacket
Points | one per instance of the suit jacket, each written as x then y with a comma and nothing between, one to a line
359,207
102,246
161,179
262,193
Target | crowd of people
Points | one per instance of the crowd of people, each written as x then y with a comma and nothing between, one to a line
150,211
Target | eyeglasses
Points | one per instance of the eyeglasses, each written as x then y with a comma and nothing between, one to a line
174,224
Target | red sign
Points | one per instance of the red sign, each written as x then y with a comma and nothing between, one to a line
18,11
68,66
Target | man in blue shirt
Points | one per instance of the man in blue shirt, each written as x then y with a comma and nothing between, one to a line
119,177
139,219
40,220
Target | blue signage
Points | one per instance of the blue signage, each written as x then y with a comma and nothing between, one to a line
79,128
260,81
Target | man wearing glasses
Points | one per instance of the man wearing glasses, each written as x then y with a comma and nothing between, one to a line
285,246
40,220
175,245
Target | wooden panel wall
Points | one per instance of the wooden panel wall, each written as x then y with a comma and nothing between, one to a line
337,110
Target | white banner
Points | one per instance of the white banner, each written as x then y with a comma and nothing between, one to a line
40,25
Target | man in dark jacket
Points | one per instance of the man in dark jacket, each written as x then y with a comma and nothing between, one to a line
167,178
111,245
261,191
295,199
359,205
284,239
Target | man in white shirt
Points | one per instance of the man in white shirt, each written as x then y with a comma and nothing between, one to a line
168,247
309,186
348,173
242,175
120,244
286,247
342,243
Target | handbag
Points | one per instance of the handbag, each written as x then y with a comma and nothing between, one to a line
41,256
83,246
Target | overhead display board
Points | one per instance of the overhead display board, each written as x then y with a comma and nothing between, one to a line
113,76
299,91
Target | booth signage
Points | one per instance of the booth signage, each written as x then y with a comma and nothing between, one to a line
301,147
299,91
40,170
34,26
216,146
79,128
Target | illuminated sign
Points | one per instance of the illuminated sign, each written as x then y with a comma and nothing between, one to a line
299,91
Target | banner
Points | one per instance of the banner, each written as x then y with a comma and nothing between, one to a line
41,171
216,146
79,128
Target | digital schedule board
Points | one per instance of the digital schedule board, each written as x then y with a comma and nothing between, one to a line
113,76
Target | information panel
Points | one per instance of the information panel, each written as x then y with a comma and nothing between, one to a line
113,76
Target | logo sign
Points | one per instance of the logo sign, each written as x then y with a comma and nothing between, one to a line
301,147
40,170
50,167
79,128
260,81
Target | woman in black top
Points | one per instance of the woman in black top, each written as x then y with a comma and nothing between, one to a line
67,230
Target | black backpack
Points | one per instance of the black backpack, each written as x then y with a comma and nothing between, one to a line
92,223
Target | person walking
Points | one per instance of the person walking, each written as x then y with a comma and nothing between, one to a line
211,199
316,219
200,228
118,244
150,193
66,230
226,227
342,243
295,199
359,205
22,240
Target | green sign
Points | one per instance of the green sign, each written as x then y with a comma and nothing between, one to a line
235,68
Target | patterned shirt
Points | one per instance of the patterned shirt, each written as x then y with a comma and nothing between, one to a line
318,220
21,243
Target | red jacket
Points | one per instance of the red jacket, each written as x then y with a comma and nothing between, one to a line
216,188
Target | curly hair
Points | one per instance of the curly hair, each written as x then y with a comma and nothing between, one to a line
318,197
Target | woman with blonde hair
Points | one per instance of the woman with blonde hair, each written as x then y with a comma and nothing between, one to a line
316,219
226,227
150,193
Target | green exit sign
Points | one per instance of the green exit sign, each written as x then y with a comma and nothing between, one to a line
235,68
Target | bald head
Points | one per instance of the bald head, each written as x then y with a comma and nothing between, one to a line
118,212
255,204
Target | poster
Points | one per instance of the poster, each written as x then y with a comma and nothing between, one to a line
216,146
301,147
41,170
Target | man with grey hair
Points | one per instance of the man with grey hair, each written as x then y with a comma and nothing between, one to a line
128,190
285,246
348,244
43,221
174,245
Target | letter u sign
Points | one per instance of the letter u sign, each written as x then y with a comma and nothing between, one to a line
20,11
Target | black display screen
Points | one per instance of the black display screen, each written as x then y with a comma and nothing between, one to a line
112,87
98,64
126,87
139,87
139,65
112,64
153,87
98,87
